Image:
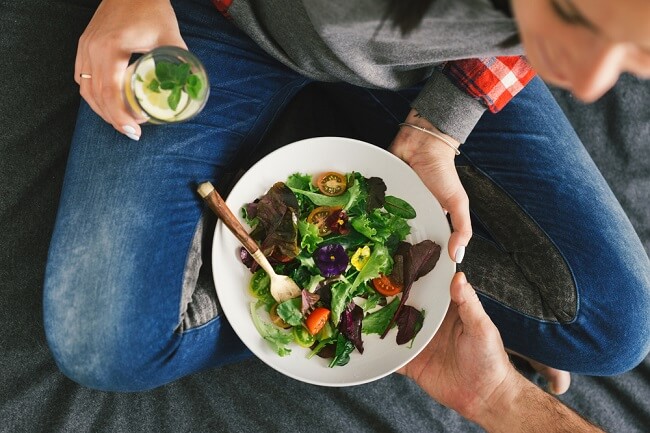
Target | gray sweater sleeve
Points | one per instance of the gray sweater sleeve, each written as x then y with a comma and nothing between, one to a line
447,107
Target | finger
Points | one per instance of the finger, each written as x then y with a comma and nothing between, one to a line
470,309
107,91
461,222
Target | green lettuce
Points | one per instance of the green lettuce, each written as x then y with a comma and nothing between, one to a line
276,338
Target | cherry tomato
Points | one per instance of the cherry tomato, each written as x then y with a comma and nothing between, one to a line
385,286
276,319
302,336
319,217
332,183
317,319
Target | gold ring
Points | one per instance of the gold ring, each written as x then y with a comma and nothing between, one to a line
82,75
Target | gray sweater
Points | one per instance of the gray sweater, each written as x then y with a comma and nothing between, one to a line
345,40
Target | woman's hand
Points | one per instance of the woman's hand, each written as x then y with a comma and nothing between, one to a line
433,161
118,29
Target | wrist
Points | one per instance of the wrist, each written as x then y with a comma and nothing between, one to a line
417,135
494,411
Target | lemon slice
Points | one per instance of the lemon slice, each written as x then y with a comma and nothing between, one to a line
155,103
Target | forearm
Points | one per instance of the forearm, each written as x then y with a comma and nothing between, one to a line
524,407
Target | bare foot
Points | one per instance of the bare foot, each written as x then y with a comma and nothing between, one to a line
558,380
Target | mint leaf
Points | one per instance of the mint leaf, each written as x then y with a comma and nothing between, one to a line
154,86
174,98
181,72
164,71
139,78
168,85
193,86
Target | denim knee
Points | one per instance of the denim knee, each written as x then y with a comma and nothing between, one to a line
106,361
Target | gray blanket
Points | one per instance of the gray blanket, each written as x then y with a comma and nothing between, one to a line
37,112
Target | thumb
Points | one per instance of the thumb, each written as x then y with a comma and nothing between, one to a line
470,309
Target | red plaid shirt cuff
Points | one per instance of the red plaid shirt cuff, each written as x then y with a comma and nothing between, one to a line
493,80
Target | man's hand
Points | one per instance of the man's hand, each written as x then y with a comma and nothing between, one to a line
465,367
465,364
118,29
433,161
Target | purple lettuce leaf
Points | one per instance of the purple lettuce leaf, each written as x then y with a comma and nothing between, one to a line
418,260
409,322
350,325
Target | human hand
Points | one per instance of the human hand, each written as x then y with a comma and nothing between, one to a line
118,29
433,161
465,366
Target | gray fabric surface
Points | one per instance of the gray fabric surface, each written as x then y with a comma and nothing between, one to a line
337,40
38,42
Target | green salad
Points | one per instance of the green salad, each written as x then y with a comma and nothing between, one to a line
343,241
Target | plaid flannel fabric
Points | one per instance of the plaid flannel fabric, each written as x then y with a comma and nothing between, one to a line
493,80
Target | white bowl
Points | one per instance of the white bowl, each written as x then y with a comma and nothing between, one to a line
430,293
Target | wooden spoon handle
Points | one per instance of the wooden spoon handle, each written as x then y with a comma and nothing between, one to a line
216,203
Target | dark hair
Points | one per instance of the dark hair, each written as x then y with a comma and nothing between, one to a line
407,15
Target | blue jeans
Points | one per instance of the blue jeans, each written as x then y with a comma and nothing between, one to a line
558,265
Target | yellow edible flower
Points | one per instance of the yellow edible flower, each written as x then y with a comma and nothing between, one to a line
360,257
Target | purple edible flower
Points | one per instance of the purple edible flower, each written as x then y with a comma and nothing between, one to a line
331,259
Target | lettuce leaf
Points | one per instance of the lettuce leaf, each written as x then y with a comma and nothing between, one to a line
376,322
380,261
309,237
291,311
276,338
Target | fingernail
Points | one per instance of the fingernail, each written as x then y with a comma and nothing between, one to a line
460,253
129,131
462,278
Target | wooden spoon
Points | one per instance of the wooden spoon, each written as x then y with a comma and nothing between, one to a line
282,286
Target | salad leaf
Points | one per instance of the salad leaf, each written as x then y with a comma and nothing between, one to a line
419,259
277,228
343,349
309,237
307,301
376,193
362,224
299,181
276,338
323,200
355,195
376,322
350,325
380,261
291,311
409,322
379,226
399,207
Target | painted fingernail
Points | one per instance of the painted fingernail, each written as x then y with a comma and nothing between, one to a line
460,253
129,131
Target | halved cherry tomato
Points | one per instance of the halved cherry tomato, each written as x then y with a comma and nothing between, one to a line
332,183
385,286
276,319
317,319
319,217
